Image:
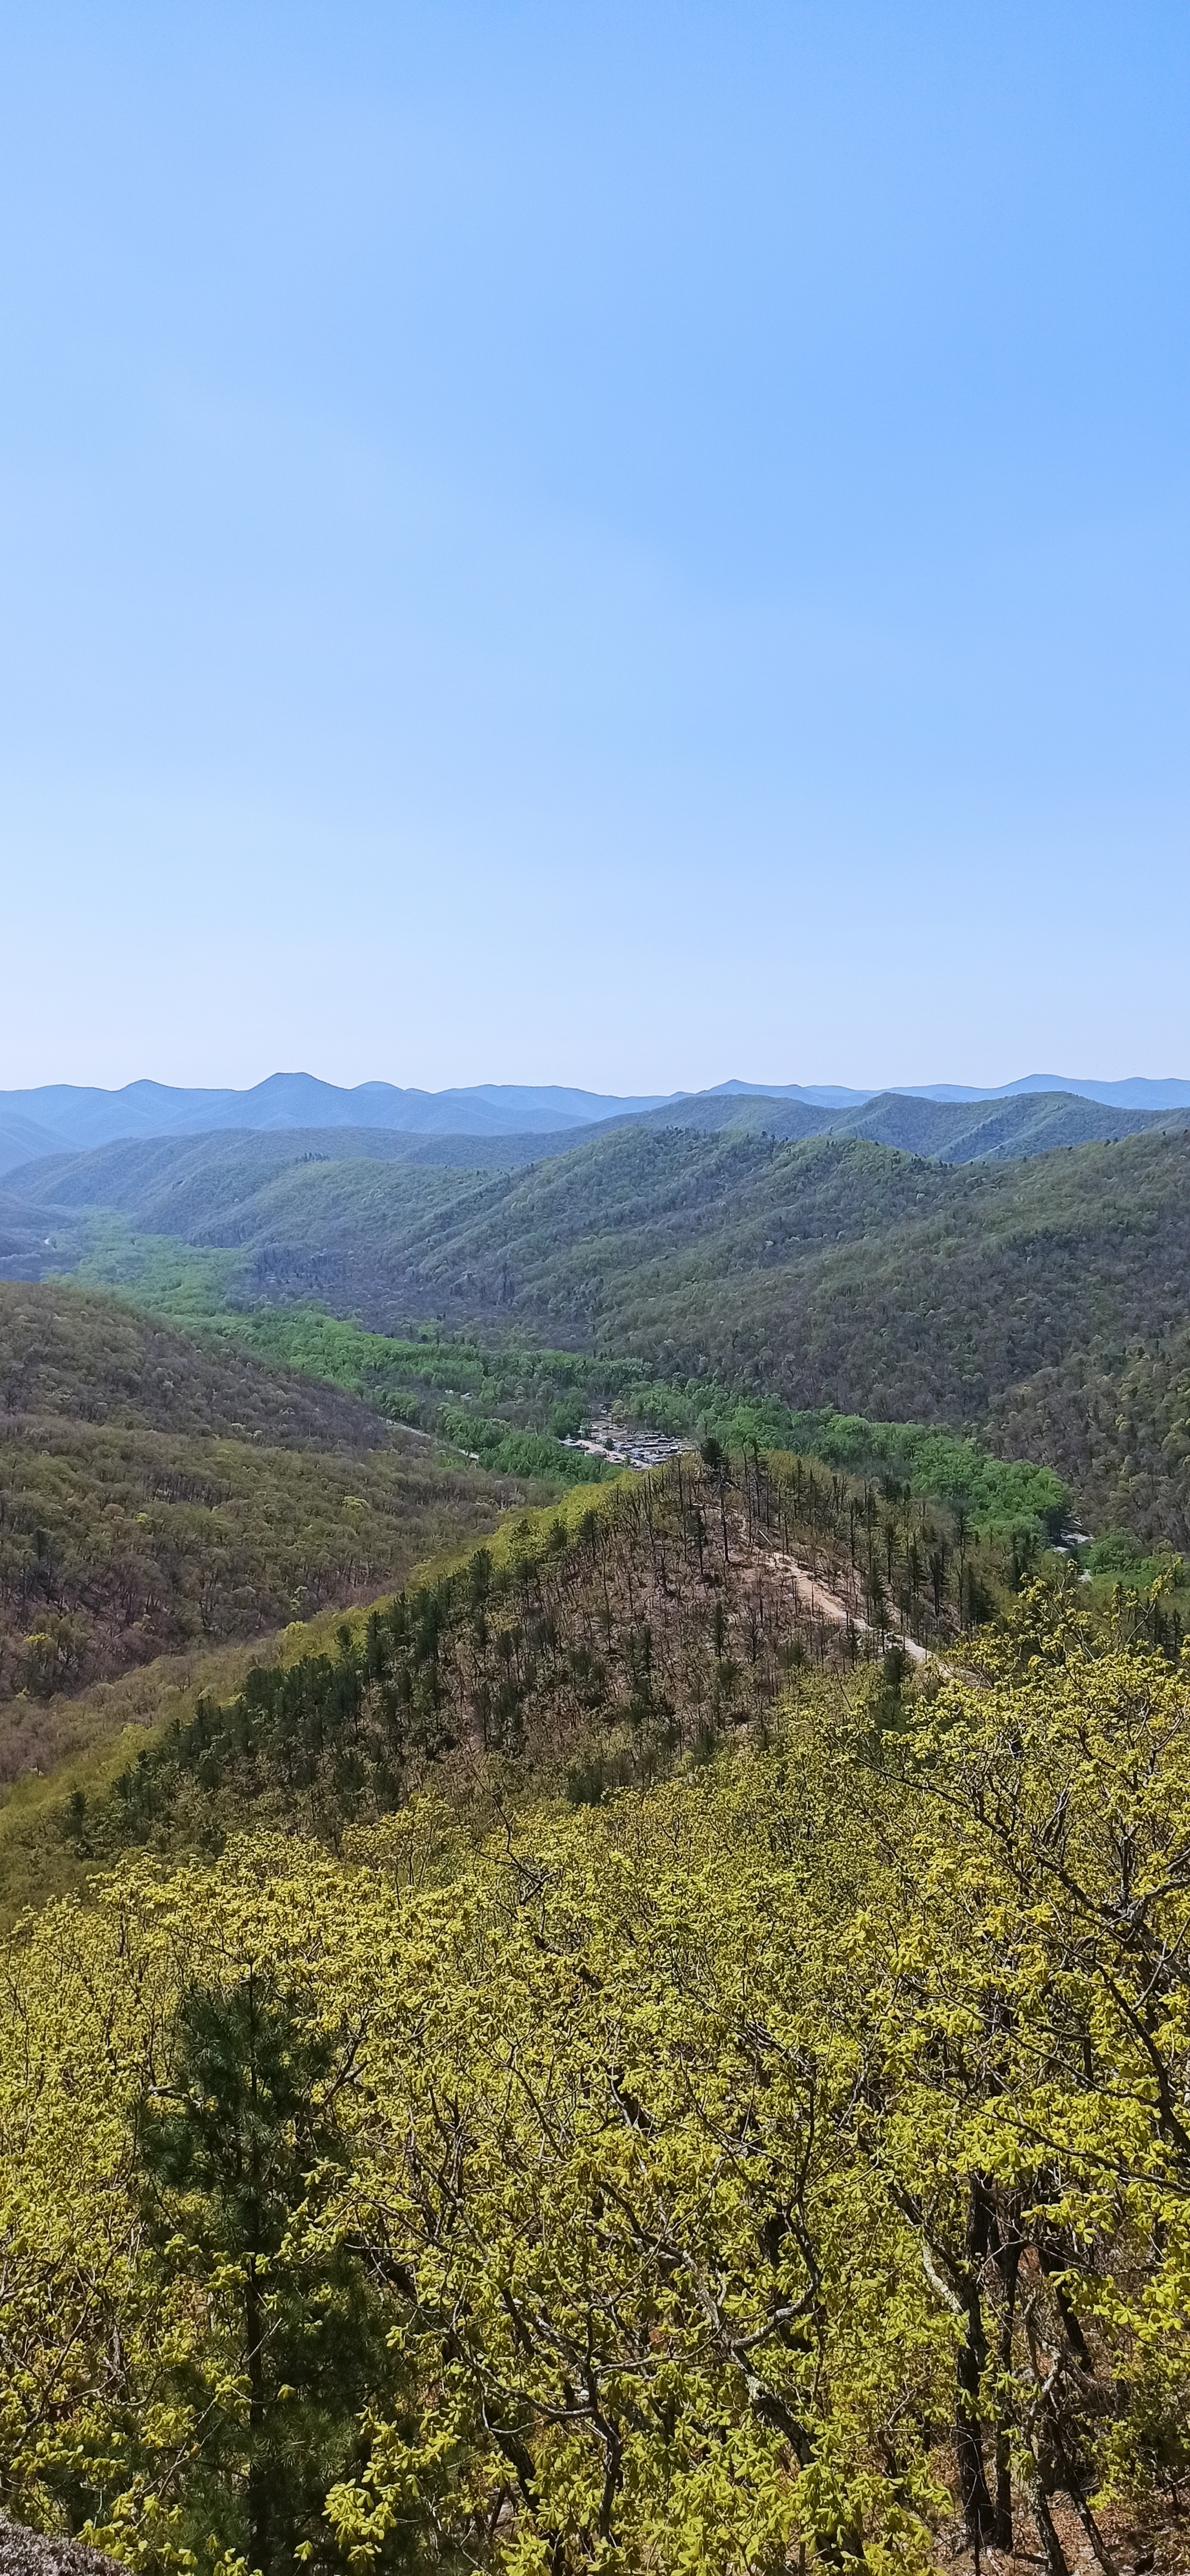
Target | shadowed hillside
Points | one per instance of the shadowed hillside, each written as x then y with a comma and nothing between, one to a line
209,1175
826,1271
948,1131
157,1493
590,1647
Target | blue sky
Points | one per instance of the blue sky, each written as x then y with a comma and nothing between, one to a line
614,545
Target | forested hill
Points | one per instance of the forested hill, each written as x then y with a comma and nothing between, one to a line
138,1173
69,1355
591,1645
950,1131
158,1494
783,2165
211,1189
830,1271
1046,1299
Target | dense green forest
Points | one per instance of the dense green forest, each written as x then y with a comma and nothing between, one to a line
1036,1303
1120,1437
126,1173
591,1646
162,1495
664,2083
597,1641
515,1402
949,1131
157,1492
658,2043
831,1271
1043,1303
504,1403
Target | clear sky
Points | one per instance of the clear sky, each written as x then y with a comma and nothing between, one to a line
606,544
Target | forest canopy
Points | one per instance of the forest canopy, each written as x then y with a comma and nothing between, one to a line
1042,1304
664,2045
786,2156
159,1493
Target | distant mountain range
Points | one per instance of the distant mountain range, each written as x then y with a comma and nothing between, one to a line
1136,1093
70,1118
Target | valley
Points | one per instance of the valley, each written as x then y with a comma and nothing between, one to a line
1040,1301
553,1689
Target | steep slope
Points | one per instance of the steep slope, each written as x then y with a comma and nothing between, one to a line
22,1138
831,1270
185,1184
193,1180
948,1131
827,1271
830,1273
25,1230
174,1183
1121,1441
1000,1130
575,1239
71,1354
837,1272
586,1648
156,1493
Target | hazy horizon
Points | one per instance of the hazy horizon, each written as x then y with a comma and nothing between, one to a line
544,1083
55,1119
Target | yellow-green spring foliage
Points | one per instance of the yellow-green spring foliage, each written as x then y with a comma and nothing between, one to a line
779,2161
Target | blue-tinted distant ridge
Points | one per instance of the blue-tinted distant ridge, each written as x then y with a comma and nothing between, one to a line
71,1117
1138,1092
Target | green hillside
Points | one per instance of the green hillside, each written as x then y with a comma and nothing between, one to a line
1121,1441
588,1644
950,1131
531,2070
605,2065
514,1403
826,1272
840,1270
143,1176
158,1494
206,1186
